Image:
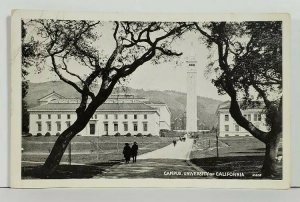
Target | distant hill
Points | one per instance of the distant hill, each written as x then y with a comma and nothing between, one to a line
176,101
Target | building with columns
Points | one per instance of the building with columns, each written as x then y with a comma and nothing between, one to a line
119,114
228,127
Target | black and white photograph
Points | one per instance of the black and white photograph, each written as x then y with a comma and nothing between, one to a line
172,100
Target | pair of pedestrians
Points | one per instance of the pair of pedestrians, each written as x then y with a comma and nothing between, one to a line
129,152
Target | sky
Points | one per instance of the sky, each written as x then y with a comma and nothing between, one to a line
164,76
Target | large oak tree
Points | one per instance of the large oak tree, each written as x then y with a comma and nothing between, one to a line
248,67
63,44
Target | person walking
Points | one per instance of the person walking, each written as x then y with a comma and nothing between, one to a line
134,151
127,152
174,142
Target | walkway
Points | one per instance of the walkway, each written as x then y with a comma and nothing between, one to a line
157,164
181,150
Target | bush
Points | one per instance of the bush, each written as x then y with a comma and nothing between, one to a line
47,134
57,134
128,135
139,135
39,134
149,135
78,134
27,135
105,135
117,134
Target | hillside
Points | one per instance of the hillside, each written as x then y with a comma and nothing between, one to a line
176,101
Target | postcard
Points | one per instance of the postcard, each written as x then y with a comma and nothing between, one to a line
149,100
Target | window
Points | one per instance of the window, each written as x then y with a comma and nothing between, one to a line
259,117
115,126
135,116
68,124
49,126
95,116
249,117
255,117
106,116
237,128
105,127
92,128
39,125
226,117
58,126
49,116
135,126
125,116
145,126
58,116
145,116
125,126
39,116
226,135
68,116
226,127
116,116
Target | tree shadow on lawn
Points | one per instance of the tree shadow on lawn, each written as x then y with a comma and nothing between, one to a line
248,165
70,171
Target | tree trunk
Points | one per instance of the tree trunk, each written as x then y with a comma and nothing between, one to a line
269,165
58,150
64,139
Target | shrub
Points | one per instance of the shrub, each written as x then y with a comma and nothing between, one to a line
78,134
139,135
105,135
117,134
28,135
39,134
128,135
47,134
149,135
58,134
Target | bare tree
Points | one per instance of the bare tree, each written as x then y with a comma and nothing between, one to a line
248,64
63,42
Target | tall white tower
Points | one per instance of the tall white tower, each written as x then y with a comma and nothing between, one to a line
191,99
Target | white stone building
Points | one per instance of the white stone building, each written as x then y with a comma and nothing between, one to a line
228,127
119,114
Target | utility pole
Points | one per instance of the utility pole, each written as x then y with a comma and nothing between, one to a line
118,144
217,143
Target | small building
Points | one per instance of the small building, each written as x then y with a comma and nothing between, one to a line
119,114
227,125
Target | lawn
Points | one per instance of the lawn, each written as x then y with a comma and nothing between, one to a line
96,153
236,154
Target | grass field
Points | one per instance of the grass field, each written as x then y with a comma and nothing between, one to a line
96,153
236,154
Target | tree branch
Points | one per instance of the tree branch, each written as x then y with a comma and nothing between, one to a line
62,77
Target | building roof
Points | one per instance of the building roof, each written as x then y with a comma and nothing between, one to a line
103,107
154,103
252,105
53,93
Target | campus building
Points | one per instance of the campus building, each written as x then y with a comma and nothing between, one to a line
227,125
119,114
